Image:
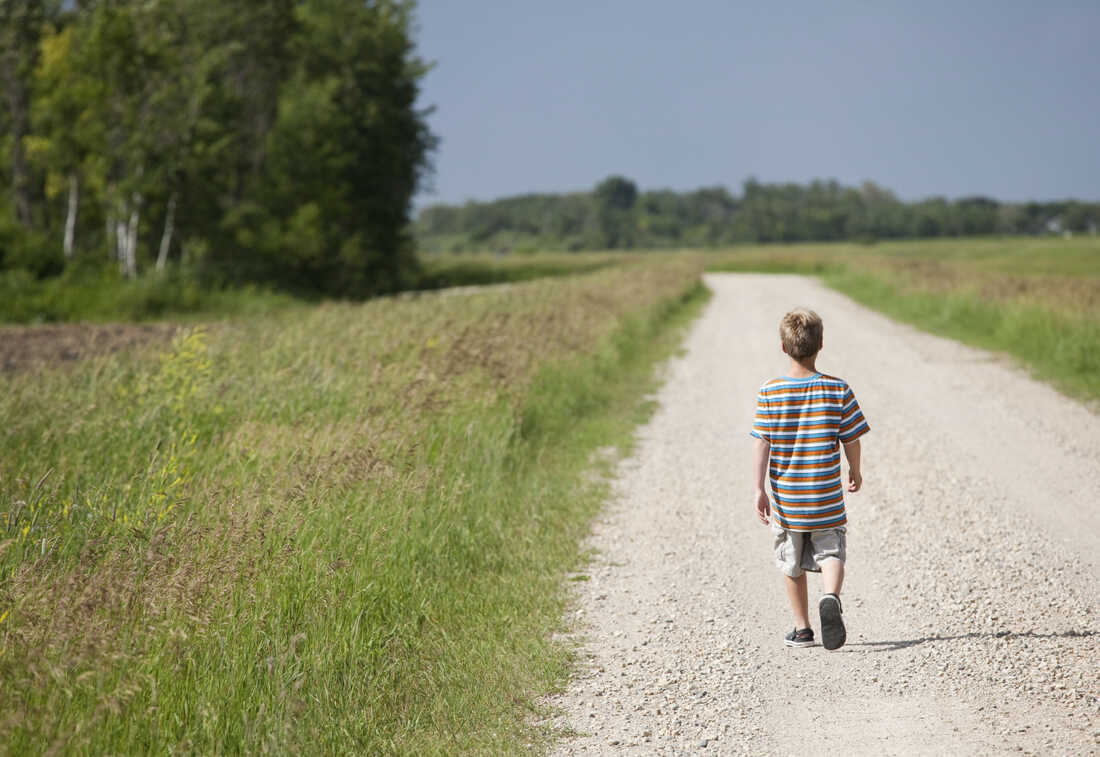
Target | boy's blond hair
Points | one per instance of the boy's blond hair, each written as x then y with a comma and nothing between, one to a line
800,330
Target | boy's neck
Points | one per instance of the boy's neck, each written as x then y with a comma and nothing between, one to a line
802,368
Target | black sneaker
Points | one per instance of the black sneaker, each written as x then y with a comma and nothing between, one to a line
833,634
800,637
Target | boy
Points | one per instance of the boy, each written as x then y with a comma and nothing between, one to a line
802,420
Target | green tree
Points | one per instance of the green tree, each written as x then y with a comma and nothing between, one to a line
21,26
615,197
349,147
1080,216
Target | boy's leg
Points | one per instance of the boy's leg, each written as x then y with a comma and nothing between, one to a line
832,575
796,592
829,554
833,633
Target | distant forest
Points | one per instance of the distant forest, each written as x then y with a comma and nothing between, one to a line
616,215
273,141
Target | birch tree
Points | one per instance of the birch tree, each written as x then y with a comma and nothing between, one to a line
65,117
117,56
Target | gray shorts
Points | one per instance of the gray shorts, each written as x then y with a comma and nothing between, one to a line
796,551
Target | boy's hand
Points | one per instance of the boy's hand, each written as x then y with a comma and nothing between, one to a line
855,478
763,507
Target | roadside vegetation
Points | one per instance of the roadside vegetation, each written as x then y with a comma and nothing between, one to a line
1037,300
336,529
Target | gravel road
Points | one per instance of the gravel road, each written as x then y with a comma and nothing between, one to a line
973,550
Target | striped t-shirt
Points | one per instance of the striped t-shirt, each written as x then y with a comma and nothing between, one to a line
805,420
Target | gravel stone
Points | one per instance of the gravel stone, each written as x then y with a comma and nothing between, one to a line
971,590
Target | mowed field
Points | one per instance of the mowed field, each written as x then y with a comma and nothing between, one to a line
348,528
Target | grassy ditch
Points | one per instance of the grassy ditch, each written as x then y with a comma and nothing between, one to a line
335,530
1035,299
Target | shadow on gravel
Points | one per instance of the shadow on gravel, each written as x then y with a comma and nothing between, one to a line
890,646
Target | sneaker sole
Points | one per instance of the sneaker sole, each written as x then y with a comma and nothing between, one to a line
833,634
798,643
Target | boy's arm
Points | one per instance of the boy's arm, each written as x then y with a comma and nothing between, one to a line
855,478
760,453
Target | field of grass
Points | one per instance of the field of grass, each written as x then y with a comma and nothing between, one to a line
103,295
1035,299
346,527
339,529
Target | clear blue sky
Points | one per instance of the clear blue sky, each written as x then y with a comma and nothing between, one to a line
952,98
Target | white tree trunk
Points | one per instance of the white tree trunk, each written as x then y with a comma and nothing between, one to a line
112,220
166,237
132,236
70,218
122,236
110,229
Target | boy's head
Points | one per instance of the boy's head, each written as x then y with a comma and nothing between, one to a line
801,331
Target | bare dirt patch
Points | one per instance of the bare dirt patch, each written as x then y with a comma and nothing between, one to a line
23,348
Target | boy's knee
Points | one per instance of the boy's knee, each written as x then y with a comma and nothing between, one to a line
830,544
793,572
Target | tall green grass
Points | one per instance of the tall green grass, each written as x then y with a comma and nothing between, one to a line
334,530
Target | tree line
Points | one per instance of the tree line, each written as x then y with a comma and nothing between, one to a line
616,215
257,140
